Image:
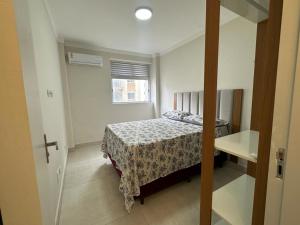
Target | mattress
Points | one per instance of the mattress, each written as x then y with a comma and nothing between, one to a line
149,149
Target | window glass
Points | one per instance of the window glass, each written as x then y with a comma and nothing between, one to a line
125,90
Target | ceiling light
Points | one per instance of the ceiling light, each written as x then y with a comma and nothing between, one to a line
143,13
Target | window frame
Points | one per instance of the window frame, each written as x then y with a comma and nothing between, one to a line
123,77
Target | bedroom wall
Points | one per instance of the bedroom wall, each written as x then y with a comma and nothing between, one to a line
155,85
66,93
90,93
182,69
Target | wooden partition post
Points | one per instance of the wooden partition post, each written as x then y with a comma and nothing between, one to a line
265,116
237,108
209,111
258,85
236,116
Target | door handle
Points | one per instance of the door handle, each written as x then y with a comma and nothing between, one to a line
49,144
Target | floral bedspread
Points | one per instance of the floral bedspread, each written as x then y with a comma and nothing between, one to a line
149,149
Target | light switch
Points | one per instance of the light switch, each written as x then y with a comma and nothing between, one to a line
50,93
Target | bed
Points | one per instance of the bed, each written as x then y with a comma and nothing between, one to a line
151,154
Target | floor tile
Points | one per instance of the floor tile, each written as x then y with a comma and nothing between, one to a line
91,195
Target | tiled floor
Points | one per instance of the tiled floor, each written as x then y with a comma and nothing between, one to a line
91,195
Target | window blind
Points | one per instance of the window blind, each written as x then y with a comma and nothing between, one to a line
128,70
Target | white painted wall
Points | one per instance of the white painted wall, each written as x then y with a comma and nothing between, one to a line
91,98
183,68
42,72
67,98
155,85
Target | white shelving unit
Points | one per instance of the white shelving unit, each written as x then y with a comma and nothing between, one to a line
234,201
221,222
243,144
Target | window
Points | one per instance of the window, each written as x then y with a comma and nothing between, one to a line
130,82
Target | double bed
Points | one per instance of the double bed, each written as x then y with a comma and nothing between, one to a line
151,154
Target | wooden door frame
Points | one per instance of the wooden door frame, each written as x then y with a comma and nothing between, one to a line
268,58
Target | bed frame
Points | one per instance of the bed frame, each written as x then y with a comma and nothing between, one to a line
229,107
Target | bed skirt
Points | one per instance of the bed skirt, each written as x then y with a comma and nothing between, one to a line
173,178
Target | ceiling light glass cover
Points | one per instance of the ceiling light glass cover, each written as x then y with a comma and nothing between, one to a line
143,13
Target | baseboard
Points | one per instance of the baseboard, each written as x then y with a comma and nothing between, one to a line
58,208
87,144
72,149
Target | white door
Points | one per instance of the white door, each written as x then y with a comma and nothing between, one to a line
42,81
279,191
33,106
291,186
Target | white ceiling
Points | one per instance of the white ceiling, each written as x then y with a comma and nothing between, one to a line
111,23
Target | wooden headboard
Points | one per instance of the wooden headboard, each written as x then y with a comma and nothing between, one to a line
229,105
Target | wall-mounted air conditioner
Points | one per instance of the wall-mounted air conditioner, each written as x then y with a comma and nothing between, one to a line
85,59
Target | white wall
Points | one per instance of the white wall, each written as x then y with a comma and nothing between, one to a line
91,98
155,85
67,99
183,68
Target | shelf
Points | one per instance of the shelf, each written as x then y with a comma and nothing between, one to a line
243,144
221,222
234,201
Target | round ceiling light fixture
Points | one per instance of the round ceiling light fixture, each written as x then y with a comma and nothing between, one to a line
143,13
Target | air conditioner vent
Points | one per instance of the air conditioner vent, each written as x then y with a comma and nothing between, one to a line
85,59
